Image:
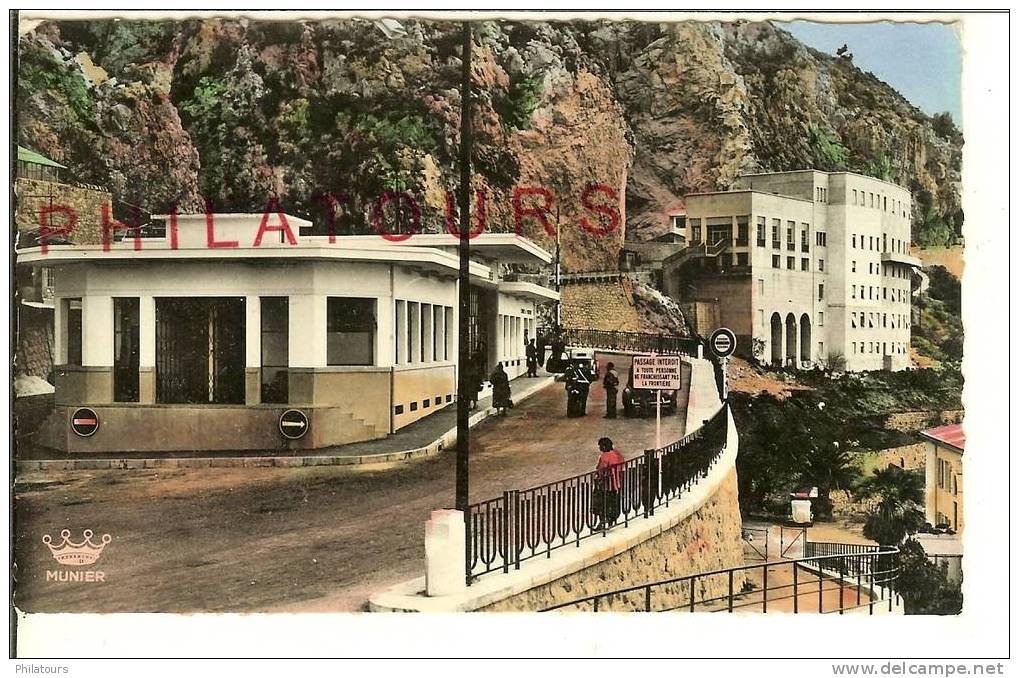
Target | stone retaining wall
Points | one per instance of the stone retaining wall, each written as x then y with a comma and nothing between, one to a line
919,420
709,539
600,306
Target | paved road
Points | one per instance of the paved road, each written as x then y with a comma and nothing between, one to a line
317,538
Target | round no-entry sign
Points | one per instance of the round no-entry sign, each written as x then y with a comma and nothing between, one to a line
293,424
722,342
84,421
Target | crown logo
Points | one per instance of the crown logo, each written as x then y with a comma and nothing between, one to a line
81,553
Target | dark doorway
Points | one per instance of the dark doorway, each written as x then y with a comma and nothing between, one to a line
200,350
479,321
125,349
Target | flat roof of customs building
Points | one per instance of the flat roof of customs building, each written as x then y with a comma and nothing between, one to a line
749,190
830,174
503,247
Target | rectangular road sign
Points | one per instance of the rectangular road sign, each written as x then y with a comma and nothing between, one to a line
656,372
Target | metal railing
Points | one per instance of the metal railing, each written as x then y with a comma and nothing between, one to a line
522,524
835,583
637,342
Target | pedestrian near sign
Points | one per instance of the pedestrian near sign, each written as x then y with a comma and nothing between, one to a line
85,421
293,424
722,342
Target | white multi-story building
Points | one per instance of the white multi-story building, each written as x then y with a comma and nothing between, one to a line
803,265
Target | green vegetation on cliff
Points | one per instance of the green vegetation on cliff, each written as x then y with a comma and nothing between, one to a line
938,332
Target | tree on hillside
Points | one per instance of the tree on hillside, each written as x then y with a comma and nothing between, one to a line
828,466
899,511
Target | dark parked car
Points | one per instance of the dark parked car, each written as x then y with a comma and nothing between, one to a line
640,402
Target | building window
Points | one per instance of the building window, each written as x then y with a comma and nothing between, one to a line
822,239
742,259
451,334
804,264
72,330
742,231
775,225
760,286
350,327
775,263
789,241
853,319
854,196
853,266
885,199
871,199
820,264
820,292
761,227
820,349
854,241
854,292
125,349
804,239
790,263
200,343
275,320
820,318
695,230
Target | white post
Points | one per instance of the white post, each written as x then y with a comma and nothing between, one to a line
97,331
146,332
445,555
253,331
658,419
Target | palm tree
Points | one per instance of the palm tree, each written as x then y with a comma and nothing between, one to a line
899,512
829,467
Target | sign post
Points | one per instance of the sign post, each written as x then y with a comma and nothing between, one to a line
657,372
723,345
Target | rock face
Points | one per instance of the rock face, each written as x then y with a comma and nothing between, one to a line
613,122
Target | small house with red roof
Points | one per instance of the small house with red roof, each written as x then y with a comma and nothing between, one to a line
945,447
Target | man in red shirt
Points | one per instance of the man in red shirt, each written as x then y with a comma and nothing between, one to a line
610,480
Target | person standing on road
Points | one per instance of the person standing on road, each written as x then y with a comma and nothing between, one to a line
577,387
611,384
610,481
500,389
532,359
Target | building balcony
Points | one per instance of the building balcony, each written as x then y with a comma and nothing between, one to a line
901,258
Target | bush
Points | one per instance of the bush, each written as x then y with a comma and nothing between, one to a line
829,152
517,105
835,362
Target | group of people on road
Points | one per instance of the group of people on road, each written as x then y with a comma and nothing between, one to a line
578,385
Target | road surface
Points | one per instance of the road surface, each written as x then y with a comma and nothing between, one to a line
302,539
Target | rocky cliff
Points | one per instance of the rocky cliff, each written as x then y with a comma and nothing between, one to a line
613,122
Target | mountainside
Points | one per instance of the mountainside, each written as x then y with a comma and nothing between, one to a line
610,118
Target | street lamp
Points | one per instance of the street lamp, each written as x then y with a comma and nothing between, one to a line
463,349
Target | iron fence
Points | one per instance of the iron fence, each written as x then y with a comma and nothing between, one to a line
521,524
636,342
821,583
